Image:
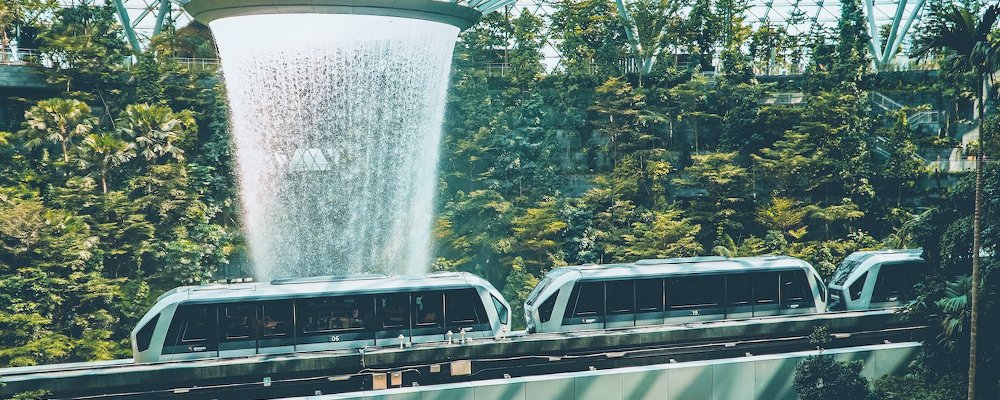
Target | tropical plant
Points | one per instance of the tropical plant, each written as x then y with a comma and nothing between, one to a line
157,130
103,151
965,41
60,121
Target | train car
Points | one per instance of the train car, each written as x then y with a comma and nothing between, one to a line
315,314
868,280
666,291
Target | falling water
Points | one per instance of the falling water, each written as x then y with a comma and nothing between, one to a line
337,123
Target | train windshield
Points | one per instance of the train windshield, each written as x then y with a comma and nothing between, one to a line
844,270
538,289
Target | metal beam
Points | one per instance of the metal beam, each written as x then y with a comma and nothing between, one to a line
892,51
133,40
875,44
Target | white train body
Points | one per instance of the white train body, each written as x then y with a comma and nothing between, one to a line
316,314
654,292
868,280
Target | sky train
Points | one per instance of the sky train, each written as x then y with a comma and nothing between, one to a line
333,313
315,314
875,279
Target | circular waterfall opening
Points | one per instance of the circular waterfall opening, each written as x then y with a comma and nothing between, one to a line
336,121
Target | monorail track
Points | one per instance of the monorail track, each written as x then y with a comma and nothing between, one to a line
263,377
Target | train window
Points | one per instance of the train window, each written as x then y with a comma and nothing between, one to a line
145,334
533,296
501,309
461,306
891,282
393,309
545,309
333,314
238,321
739,289
795,288
765,288
276,319
621,297
858,286
694,291
428,309
192,324
590,300
649,295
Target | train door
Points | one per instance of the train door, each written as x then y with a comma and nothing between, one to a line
192,333
795,293
585,309
393,318
276,327
427,317
237,329
620,297
648,302
464,311
765,294
331,323
739,296
695,298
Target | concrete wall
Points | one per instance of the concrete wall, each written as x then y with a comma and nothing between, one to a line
766,377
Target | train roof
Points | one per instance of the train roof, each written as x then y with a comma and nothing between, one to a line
686,266
309,287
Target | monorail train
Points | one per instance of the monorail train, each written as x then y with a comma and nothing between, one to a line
875,279
680,290
315,314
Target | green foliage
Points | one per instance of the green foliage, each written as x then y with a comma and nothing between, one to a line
822,378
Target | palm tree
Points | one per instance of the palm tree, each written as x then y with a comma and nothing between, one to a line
157,130
964,40
58,120
103,151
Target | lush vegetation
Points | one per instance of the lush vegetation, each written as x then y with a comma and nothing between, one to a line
662,143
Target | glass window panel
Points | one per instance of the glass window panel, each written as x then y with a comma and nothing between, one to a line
393,309
590,300
334,314
621,297
238,321
198,324
765,288
858,286
461,306
276,319
545,309
649,295
427,309
739,289
795,288
694,291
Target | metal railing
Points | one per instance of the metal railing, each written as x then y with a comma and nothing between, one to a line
24,57
202,64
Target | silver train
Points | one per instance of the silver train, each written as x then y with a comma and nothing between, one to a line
875,279
680,290
315,314
331,313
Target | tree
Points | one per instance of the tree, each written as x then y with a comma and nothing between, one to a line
966,42
103,151
662,234
15,13
60,121
88,48
157,130
823,378
784,215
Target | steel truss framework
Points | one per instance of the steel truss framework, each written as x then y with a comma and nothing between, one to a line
800,17
144,18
